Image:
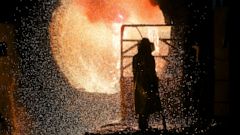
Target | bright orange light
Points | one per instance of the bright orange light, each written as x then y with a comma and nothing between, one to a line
85,39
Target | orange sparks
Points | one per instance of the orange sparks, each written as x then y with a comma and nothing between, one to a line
85,39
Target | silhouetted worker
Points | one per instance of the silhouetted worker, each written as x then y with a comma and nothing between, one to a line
147,100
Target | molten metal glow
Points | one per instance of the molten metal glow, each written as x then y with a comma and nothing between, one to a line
85,39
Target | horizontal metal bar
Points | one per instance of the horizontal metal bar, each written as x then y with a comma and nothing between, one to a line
144,25
131,40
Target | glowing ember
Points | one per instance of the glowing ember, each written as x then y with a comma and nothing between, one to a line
85,39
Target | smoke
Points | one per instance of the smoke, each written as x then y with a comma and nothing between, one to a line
102,10
108,11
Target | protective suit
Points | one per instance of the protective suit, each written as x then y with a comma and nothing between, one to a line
147,100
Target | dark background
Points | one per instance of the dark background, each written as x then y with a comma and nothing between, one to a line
13,11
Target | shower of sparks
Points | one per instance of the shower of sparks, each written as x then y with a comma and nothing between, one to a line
85,39
80,40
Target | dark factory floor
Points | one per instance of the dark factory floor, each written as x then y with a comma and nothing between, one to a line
218,127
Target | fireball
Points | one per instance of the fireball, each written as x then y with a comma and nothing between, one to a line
85,39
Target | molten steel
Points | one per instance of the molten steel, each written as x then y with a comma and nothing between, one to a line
85,39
